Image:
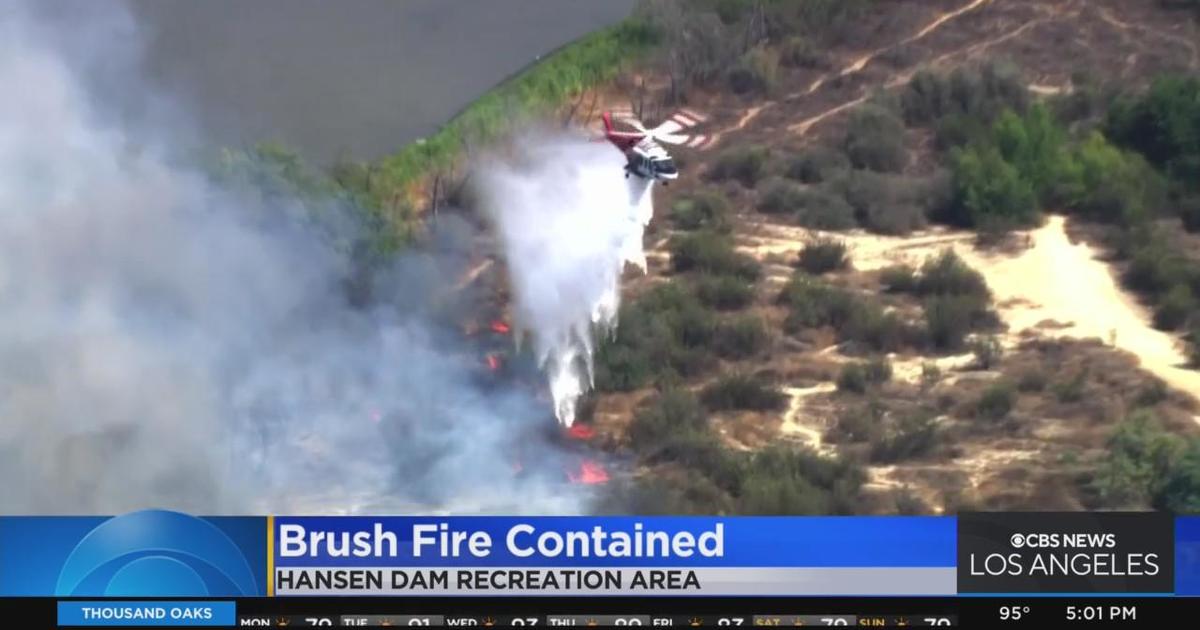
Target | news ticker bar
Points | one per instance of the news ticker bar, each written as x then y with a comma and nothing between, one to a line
961,611
167,554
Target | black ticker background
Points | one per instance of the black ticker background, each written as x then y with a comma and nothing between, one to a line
962,612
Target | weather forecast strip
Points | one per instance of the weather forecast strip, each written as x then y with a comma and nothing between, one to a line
613,556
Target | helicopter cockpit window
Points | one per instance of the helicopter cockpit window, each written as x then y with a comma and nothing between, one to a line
665,166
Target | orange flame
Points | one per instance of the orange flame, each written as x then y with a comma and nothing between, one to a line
500,327
493,362
581,432
590,473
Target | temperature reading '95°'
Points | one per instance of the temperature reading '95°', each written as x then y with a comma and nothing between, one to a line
1013,613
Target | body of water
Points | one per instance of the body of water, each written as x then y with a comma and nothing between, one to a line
358,78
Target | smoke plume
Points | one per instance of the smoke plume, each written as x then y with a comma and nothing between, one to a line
169,343
569,222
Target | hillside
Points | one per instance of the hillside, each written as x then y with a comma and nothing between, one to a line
803,344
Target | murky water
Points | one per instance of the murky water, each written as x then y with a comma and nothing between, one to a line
352,77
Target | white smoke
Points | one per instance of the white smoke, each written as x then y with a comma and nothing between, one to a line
569,222
167,343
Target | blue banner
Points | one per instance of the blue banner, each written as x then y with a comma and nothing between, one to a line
164,554
153,553
1187,555
683,542
157,614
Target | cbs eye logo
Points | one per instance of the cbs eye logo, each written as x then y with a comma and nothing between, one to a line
156,553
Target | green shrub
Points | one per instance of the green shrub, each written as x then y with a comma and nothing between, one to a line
891,204
964,93
709,252
857,377
875,140
674,413
899,279
960,130
724,292
824,21
997,401
746,164
741,338
1072,389
664,334
810,207
1155,269
1139,458
742,391
782,197
861,423
1151,394
622,368
1175,308
948,319
817,164
703,210
800,52
812,303
757,73
1180,489
947,274
781,481
823,255
1032,380
874,328
852,378
913,436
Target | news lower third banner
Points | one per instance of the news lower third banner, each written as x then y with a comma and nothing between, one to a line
167,554
614,556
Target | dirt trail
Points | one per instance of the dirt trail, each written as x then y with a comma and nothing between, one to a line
855,66
806,428
1058,281
1194,59
901,78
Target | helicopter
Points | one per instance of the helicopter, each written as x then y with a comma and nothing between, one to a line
643,148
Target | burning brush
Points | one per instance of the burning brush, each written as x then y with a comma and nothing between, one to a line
590,473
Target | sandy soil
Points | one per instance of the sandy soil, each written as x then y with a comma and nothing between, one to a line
1053,287
1067,286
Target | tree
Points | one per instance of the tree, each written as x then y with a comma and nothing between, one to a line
1164,125
1035,145
989,189
1111,185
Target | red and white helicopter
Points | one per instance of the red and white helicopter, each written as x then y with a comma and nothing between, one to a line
646,157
